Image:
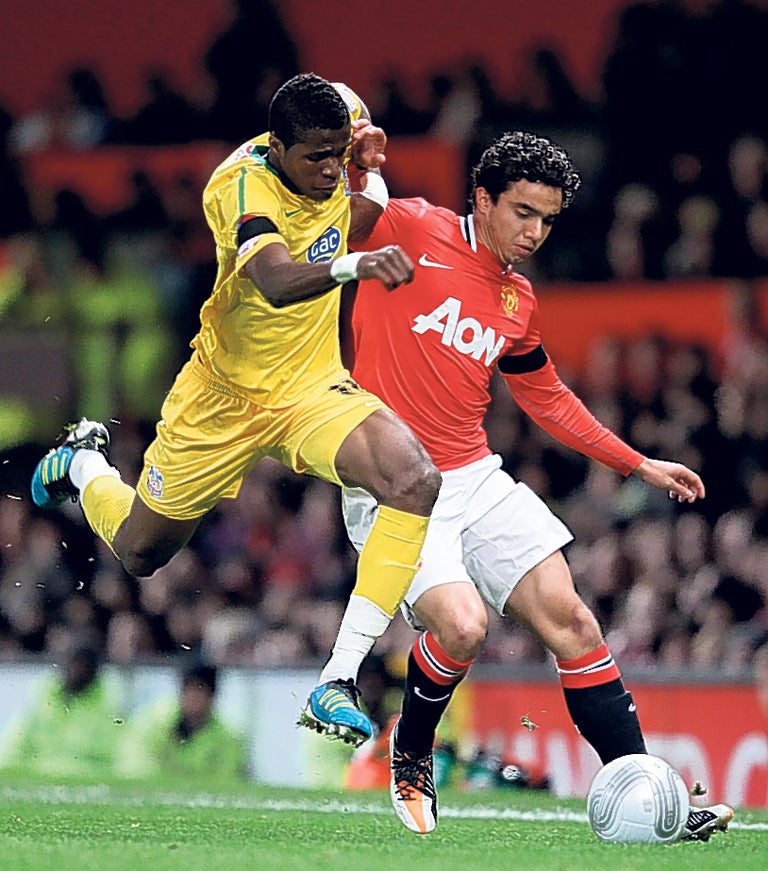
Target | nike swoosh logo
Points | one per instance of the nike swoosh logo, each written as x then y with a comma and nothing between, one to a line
291,214
425,261
419,693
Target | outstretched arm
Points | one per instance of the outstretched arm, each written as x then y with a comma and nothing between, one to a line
556,409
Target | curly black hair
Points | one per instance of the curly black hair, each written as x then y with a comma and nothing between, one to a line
517,155
305,102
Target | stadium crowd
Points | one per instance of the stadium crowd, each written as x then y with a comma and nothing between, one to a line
668,193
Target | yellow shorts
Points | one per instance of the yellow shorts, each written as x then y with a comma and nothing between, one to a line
210,438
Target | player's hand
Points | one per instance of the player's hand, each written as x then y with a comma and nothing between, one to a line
391,265
681,483
368,144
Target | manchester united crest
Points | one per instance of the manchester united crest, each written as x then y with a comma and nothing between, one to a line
509,299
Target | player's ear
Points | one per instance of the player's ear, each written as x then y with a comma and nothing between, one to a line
483,200
277,146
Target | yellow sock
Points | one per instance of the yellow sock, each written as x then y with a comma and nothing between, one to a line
390,557
106,502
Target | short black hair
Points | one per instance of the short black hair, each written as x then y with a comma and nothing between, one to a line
305,102
520,155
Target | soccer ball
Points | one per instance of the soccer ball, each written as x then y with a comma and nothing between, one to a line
638,799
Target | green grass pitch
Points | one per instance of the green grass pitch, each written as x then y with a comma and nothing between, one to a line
116,827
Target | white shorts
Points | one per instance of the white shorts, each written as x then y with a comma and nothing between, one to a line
486,529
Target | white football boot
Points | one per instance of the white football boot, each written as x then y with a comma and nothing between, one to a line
412,789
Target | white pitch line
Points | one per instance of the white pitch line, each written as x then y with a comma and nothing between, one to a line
94,795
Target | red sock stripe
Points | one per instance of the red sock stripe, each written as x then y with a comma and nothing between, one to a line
590,670
435,662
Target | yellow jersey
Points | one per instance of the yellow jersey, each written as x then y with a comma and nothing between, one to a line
271,355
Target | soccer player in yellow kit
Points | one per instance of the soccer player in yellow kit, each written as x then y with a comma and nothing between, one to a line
265,377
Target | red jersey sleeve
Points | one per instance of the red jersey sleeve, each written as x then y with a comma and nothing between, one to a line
558,411
385,231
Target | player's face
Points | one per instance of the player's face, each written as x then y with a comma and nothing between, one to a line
314,164
516,226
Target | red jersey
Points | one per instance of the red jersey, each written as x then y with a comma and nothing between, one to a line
429,348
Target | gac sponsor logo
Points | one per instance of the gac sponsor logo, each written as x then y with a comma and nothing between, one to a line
466,335
325,247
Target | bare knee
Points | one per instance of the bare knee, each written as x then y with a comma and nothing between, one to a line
146,541
383,456
581,633
141,562
414,489
141,565
462,636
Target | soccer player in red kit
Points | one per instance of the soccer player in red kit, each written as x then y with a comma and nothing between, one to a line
429,350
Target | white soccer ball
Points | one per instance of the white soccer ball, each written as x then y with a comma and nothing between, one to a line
638,799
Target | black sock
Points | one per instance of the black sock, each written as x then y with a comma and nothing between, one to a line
606,716
424,703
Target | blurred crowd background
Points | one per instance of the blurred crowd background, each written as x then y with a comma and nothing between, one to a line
97,308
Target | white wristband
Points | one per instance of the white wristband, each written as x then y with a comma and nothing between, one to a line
344,268
375,189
